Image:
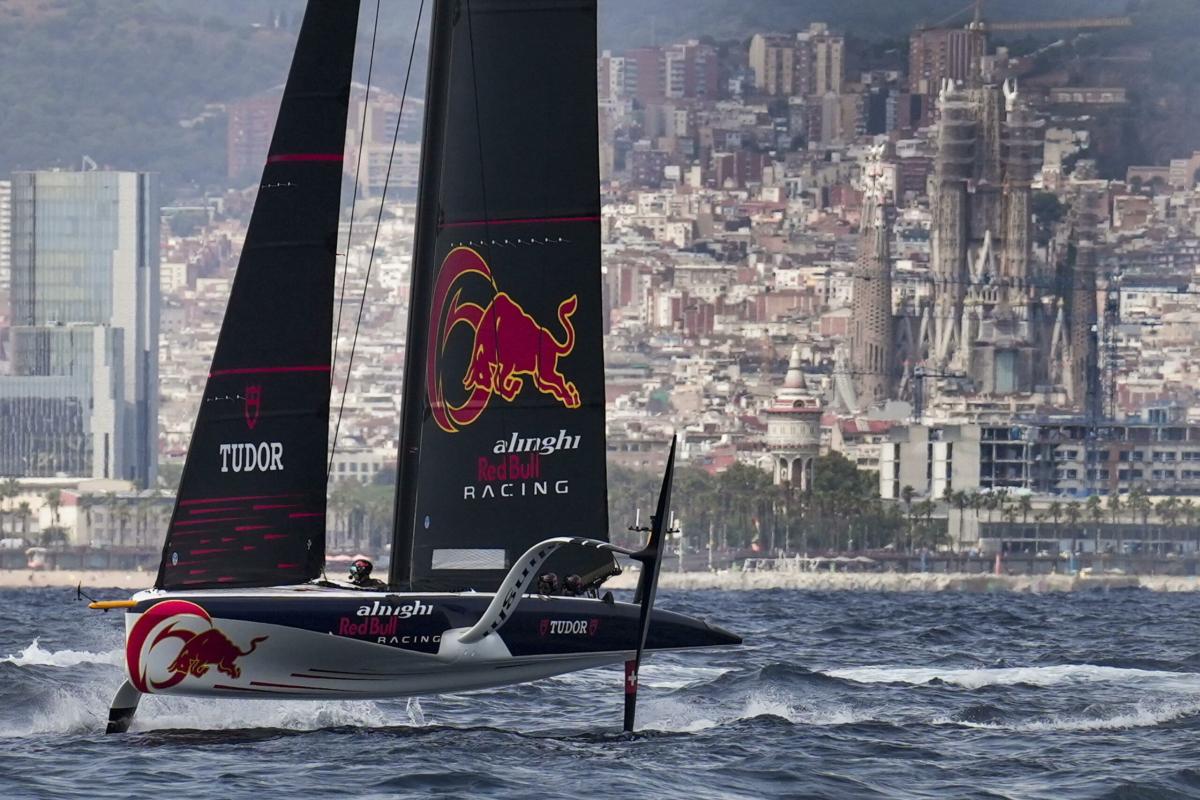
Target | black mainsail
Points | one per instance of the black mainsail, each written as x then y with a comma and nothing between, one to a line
251,504
502,434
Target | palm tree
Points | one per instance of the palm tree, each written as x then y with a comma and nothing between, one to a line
54,501
961,501
1168,510
1073,513
1025,506
1115,508
906,496
1188,509
1140,506
23,513
86,503
1095,515
1055,512
10,488
123,515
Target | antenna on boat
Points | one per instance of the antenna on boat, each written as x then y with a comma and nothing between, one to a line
650,558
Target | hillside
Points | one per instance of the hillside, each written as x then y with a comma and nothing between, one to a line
113,80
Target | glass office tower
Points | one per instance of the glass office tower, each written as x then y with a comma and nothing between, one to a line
85,252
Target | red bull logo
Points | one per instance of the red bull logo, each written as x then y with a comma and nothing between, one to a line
509,349
253,406
203,646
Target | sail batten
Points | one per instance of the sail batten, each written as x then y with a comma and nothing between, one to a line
259,447
502,435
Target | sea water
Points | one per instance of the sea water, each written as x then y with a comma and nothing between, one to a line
837,695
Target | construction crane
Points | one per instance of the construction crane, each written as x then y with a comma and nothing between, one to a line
1111,356
978,23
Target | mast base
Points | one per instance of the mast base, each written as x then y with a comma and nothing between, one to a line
124,706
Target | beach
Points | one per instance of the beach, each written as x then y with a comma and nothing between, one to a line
728,581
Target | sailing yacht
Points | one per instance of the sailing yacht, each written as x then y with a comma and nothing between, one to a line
502,453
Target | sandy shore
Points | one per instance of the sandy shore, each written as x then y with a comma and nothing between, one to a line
95,579
814,581
910,582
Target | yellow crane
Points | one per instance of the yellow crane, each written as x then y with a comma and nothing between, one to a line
1071,23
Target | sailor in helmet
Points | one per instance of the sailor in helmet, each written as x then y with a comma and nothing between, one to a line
360,575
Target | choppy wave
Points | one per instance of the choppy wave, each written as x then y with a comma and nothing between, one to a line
36,656
1008,676
920,696
1140,715
684,715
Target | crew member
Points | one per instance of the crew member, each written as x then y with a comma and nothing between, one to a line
360,575
547,583
573,586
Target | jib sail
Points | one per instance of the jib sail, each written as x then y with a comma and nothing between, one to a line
251,504
502,436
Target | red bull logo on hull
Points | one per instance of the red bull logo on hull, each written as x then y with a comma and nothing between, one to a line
510,349
203,647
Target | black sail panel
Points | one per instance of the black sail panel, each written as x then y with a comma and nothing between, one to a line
251,504
502,441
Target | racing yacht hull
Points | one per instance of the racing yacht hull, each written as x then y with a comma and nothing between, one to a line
309,641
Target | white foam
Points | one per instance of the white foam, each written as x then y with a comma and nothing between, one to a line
1004,676
1142,715
36,656
193,713
651,675
687,716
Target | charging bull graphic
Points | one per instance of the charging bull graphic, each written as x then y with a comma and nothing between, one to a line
508,345
204,647
210,649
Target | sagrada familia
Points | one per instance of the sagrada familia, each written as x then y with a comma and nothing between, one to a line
996,322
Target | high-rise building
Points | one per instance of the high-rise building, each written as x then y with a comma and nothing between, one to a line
772,57
938,54
690,71
62,411
5,232
85,251
827,62
250,124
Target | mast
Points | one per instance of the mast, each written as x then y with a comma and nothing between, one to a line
424,248
250,510
502,429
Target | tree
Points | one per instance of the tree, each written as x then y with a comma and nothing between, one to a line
1140,506
1025,506
906,496
1073,513
1095,515
1168,510
54,501
24,513
961,501
1055,511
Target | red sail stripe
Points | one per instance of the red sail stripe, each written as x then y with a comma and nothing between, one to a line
279,505
520,221
208,550
208,520
221,510
250,527
264,370
301,515
270,536
280,158
198,501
